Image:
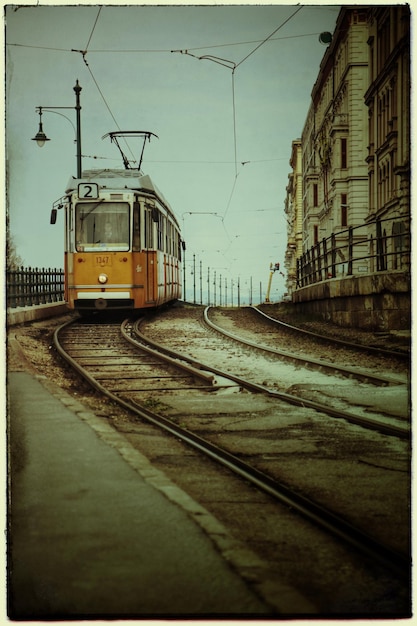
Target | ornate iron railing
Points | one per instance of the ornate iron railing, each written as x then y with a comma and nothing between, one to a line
382,245
33,286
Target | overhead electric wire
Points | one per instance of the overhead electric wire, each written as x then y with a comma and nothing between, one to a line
24,45
233,66
265,40
161,50
219,162
245,43
92,31
83,53
229,64
101,93
234,119
107,104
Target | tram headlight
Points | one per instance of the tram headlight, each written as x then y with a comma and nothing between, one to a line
103,278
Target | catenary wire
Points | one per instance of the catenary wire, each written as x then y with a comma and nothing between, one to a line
160,50
244,43
265,40
92,31
233,66
84,53
105,102
262,42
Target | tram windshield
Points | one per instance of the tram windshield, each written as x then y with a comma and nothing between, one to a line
102,226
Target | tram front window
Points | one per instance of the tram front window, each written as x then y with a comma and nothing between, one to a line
103,226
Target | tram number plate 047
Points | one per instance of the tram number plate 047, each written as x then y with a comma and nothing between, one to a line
103,259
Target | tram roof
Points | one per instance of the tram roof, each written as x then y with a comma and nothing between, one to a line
118,179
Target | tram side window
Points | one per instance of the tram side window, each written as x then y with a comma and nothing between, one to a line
168,246
175,242
136,226
161,225
148,240
103,226
173,250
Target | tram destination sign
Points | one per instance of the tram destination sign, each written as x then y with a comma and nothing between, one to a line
88,191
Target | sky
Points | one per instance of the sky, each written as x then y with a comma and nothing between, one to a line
222,154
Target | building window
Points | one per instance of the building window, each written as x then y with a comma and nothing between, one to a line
371,122
343,210
343,153
371,191
316,235
315,194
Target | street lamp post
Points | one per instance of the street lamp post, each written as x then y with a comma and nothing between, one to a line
77,90
208,286
40,136
201,282
194,276
183,277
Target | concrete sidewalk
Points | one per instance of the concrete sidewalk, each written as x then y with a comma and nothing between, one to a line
21,315
90,537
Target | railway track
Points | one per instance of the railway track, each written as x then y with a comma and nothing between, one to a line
402,354
302,395
101,354
308,361
143,380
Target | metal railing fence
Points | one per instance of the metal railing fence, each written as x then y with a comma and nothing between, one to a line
33,286
383,245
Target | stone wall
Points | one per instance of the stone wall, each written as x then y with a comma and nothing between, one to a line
379,301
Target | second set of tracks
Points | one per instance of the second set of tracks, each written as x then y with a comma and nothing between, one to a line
145,379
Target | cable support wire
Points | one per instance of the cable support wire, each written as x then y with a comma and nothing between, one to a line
234,119
84,53
94,156
106,103
230,197
160,50
233,66
265,40
219,60
92,31
238,43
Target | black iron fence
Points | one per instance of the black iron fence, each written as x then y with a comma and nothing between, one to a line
32,286
382,245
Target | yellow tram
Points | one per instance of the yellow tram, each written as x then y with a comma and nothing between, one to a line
122,242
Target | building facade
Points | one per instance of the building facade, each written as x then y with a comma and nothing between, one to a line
388,100
335,140
294,215
354,154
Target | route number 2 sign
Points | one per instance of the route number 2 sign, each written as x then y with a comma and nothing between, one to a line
88,190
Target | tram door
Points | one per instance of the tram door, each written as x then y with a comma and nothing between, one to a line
150,253
150,276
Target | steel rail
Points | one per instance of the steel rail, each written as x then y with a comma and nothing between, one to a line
207,377
328,339
310,510
365,422
345,371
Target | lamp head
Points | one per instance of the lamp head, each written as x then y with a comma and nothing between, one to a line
40,136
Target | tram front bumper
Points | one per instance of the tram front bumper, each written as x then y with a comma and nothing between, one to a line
100,301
